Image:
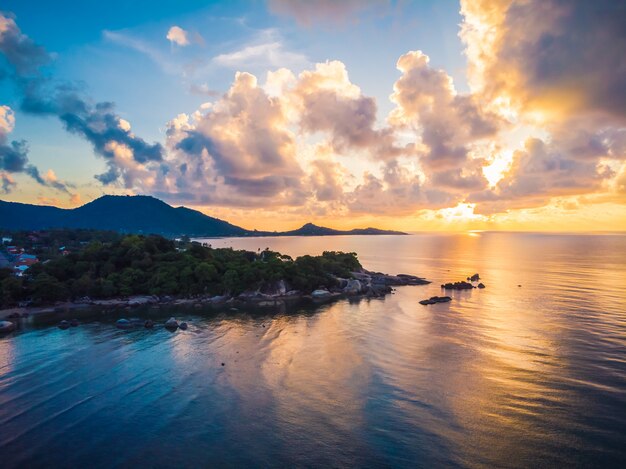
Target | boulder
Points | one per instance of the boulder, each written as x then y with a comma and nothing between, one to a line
171,324
64,324
183,326
123,324
148,324
481,285
353,287
7,326
473,278
319,294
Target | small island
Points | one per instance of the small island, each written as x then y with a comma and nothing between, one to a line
87,267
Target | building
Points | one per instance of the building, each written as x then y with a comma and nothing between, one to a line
26,259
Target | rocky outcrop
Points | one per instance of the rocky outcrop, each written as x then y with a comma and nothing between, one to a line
436,299
457,286
352,287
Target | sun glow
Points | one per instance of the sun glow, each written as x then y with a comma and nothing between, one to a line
495,171
461,212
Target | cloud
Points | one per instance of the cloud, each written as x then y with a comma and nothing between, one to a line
549,55
328,102
13,155
448,123
240,149
7,183
96,122
267,55
177,35
537,111
399,191
21,52
555,67
306,12
162,60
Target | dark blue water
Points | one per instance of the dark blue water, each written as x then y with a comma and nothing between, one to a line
508,376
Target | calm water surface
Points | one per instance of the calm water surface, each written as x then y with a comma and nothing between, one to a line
510,376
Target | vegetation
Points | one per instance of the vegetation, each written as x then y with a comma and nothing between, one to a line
137,265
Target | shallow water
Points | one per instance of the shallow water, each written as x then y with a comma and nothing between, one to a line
510,376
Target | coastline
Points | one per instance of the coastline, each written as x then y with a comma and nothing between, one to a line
364,284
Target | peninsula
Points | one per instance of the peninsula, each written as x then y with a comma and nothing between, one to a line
94,267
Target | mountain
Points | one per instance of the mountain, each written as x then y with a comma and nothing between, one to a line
143,214
313,230
131,214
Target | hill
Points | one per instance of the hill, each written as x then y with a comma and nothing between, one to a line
128,214
143,214
314,230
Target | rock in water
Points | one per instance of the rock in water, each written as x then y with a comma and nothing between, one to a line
436,299
473,278
481,285
64,324
74,323
183,326
7,326
148,324
457,286
123,324
171,324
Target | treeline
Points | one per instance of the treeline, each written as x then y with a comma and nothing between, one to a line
153,265
47,244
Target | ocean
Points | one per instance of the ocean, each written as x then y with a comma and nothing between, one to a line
528,372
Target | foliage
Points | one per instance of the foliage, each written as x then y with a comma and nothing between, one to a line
137,265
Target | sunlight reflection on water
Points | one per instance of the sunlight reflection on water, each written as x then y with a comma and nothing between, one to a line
509,376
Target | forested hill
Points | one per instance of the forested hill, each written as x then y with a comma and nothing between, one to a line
142,214
129,214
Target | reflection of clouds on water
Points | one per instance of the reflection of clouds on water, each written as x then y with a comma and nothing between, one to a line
503,376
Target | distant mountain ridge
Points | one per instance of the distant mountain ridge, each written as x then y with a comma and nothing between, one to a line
143,214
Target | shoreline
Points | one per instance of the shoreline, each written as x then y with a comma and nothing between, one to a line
364,284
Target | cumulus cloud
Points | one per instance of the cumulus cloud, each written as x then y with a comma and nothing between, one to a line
546,106
241,148
448,123
399,191
549,55
177,35
327,101
556,67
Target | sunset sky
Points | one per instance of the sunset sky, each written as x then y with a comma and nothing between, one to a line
424,115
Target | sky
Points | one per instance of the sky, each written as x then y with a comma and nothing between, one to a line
410,115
